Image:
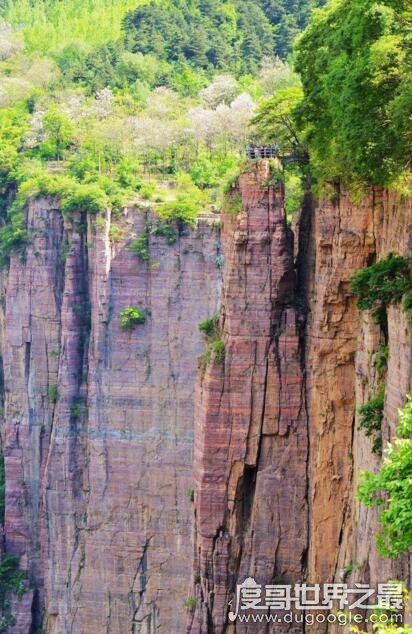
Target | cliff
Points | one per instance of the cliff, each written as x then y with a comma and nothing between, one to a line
278,448
98,421
108,434
251,426
341,350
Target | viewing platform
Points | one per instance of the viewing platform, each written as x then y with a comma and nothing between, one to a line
292,154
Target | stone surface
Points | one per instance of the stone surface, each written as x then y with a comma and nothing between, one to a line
97,470
250,425
341,351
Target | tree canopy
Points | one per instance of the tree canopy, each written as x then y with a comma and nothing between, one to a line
232,35
355,62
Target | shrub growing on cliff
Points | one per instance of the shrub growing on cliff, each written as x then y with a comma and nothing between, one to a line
13,237
381,284
407,304
370,419
190,603
130,317
52,393
232,203
210,327
85,197
391,490
140,247
381,361
12,581
215,351
165,229
77,409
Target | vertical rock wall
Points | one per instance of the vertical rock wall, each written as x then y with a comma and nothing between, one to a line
97,422
342,346
98,426
250,427
237,478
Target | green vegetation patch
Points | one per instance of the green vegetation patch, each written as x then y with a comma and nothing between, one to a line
12,581
77,409
391,490
190,603
189,201
140,247
130,317
381,284
215,351
355,63
86,197
53,393
370,419
166,231
382,356
234,35
210,327
232,203
111,101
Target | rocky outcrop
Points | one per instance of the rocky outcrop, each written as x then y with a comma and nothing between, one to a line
250,425
98,427
342,345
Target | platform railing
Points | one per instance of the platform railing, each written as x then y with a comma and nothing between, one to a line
292,154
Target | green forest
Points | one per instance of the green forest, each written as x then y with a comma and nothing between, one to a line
105,102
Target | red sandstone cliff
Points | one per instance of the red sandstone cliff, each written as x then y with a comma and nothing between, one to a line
250,425
98,427
98,468
342,344
246,455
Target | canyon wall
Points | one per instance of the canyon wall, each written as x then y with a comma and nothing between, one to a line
342,345
98,421
278,449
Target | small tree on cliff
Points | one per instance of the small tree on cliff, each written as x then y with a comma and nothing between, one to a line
275,120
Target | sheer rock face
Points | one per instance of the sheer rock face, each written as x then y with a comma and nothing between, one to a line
342,346
245,463
250,425
98,427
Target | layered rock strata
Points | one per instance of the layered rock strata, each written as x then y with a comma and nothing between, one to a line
251,444
98,421
342,345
